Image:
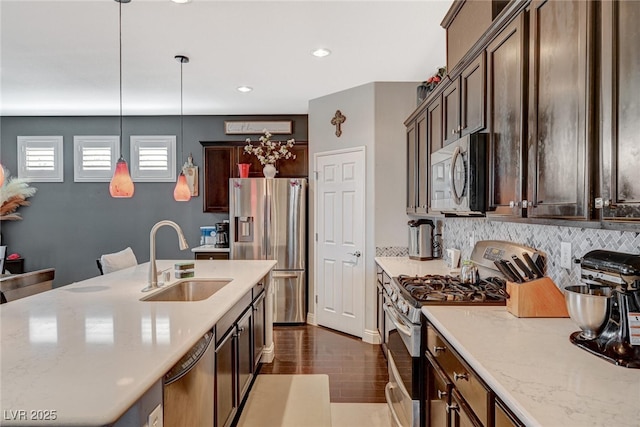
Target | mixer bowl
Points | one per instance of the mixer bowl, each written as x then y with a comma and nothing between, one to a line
588,307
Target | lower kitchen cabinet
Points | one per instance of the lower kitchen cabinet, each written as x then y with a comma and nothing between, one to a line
455,395
235,354
212,255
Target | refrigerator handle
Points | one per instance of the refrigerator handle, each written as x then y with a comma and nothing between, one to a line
267,226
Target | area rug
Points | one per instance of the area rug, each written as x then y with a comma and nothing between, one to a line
288,401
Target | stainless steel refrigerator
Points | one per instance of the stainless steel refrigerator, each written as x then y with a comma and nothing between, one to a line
269,221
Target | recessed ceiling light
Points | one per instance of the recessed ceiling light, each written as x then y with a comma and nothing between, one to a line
181,1
244,89
320,53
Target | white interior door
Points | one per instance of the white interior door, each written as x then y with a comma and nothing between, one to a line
340,224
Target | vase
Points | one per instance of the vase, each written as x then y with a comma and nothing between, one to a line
269,171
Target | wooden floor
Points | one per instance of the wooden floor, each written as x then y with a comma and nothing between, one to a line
357,370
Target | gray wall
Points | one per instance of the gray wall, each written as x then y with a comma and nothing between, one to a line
69,225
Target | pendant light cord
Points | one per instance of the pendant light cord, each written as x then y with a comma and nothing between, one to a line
181,118
120,36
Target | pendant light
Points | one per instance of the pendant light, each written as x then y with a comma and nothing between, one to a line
121,185
181,193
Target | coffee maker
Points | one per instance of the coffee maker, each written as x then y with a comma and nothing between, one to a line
222,235
607,307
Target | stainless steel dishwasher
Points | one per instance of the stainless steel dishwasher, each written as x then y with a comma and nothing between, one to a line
188,391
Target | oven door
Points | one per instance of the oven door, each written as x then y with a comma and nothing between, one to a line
402,392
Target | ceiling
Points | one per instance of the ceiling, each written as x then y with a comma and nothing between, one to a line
61,57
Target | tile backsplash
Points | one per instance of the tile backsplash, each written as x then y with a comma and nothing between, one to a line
458,233
392,251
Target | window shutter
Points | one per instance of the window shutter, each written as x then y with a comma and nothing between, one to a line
95,157
40,158
153,158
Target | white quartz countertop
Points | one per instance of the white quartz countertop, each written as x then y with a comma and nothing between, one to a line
209,248
533,367
395,266
91,349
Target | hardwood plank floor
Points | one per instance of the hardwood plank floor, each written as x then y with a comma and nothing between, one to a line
357,370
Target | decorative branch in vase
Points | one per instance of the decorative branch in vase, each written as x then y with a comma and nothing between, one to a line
268,152
13,194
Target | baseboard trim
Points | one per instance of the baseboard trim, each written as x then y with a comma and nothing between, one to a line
371,337
311,319
269,354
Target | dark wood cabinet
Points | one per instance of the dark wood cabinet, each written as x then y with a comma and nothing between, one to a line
473,96
434,124
212,255
451,112
220,164
506,109
417,164
218,168
620,66
560,119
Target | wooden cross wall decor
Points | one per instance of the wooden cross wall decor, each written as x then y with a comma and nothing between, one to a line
337,121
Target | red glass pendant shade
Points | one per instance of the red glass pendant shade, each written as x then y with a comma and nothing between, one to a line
182,193
121,185
1,175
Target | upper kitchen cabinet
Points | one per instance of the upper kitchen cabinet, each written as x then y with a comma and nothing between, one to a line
434,124
218,167
506,58
620,110
417,163
465,22
220,164
463,102
560,117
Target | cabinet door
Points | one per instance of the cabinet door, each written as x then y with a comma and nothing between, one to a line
505,97
434,125
451,112
422,174
255,170
461,414
503,417
473,95
295,168
218,165
438,394
245,353
559,120
226,401
620,124
411,168
258,330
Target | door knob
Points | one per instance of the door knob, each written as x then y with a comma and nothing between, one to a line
356,254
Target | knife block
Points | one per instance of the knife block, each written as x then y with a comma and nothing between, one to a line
537,298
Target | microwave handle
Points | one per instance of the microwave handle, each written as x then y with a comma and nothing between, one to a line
454,193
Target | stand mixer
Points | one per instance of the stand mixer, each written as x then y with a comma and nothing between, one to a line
607,307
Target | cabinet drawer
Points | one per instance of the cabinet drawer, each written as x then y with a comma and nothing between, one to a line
226,322
469,385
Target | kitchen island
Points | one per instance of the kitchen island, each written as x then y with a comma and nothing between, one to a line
531,366
84,353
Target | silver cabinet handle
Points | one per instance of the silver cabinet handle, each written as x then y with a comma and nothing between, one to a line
356,254
437,349
457,376
453,407
441,394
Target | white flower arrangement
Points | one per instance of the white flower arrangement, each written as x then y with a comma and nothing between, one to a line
13,194
268,152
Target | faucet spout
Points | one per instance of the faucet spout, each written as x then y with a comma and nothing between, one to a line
153,269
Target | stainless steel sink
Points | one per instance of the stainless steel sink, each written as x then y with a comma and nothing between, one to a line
188,290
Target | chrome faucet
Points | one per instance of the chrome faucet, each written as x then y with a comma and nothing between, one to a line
153,269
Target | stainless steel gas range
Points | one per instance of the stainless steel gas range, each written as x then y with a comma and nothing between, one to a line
404,297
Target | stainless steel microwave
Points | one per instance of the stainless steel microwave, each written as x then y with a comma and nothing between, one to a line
459,176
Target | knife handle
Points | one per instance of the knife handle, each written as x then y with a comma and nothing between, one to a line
505,270
514,271
532,265
521,265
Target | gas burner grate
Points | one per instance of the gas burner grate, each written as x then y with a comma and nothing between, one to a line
449,289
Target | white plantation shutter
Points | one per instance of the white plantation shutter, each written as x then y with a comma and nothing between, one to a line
95,157
153,158
40,158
